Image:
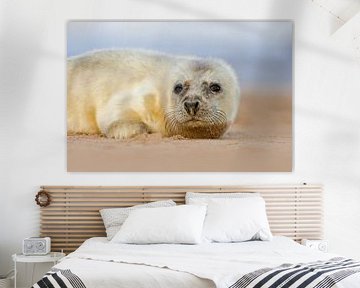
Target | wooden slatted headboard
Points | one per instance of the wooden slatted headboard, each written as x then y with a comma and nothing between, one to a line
73,215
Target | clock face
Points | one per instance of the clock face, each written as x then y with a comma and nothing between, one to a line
40,245
323,246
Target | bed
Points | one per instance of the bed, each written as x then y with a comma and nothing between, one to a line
98,263
293,210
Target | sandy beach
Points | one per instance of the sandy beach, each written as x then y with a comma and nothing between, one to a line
260,140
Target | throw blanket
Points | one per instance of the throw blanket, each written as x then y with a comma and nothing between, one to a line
319,274
59,278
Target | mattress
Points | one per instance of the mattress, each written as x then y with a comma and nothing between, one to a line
99,263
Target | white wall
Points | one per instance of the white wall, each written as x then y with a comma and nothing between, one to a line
32,91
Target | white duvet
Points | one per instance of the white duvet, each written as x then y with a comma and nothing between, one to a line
100,263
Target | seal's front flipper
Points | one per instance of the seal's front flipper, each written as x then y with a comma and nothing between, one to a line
125,130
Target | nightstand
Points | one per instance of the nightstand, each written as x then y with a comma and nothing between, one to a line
53,257
320,245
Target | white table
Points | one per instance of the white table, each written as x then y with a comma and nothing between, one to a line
53,257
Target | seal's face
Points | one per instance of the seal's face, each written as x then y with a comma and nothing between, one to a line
203,100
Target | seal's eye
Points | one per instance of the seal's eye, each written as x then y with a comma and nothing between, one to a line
215,88
178,88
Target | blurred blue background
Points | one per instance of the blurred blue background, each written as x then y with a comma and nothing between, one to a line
259,51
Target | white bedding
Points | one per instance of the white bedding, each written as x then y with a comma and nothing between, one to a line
100,263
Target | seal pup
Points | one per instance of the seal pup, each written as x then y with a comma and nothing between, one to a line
124,93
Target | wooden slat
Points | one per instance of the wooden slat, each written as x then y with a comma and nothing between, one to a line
73,216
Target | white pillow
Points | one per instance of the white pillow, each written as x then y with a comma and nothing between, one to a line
236,220
180,224
113,218
204,198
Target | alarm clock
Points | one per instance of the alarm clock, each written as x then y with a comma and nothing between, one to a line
36,246
320,245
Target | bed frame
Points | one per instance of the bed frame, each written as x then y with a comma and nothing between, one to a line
73,215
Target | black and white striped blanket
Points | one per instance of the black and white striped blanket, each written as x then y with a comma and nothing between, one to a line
57,278
320,274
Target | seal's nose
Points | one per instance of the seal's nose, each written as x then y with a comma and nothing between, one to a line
192,107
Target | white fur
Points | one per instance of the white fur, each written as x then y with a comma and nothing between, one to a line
122,93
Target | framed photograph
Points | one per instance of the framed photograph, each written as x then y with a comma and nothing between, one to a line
179,96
